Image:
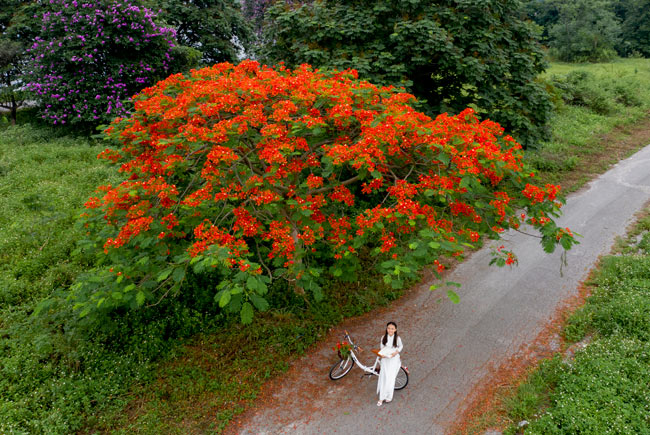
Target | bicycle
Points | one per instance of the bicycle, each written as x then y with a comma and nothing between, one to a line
344,366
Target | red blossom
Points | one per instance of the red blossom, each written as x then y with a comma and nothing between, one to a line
287,166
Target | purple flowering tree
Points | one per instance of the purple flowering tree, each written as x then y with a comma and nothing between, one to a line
91,56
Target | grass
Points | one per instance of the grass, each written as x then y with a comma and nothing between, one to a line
49,376
597,106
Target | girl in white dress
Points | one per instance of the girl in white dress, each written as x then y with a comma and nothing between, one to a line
391,346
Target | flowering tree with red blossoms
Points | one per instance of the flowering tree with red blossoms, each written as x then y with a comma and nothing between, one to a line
255,174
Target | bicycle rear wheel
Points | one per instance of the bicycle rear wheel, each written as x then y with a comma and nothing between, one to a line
341,368
402,379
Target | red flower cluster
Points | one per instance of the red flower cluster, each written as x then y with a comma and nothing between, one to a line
343,349
273,168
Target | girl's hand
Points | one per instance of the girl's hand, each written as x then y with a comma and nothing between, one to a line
394,353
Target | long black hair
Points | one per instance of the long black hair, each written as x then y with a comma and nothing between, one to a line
385,339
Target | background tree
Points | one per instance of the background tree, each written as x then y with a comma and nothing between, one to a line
11,60
90,58
251,175
635,27
17,31
452,54
586,30
254,11
216,28
544,13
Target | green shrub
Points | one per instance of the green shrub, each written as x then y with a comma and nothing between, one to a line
428,47
579,88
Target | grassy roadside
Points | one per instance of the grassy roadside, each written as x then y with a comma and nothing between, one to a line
602,116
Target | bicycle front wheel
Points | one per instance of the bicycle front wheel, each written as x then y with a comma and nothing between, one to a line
341,368
402,379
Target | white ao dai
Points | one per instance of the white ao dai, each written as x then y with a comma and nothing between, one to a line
389,369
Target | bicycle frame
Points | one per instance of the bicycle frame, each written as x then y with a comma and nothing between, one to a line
370,370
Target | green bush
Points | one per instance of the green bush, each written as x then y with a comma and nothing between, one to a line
579,88
452,55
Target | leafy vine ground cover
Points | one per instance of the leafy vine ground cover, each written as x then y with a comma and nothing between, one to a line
127,377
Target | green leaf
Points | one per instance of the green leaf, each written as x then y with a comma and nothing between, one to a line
164,274
259,302
140,298
224,299
143,260
434,245
178,274
262,289
455,284
443,158
251,283
337,272
453,296
246,313
433,287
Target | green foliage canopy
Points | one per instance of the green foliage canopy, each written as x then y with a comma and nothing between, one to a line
217,28
635,27
586,30
17,26
580,28
453,54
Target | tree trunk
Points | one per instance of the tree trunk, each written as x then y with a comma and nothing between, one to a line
296,287
14,109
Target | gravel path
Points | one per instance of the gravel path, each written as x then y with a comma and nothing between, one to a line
450,348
